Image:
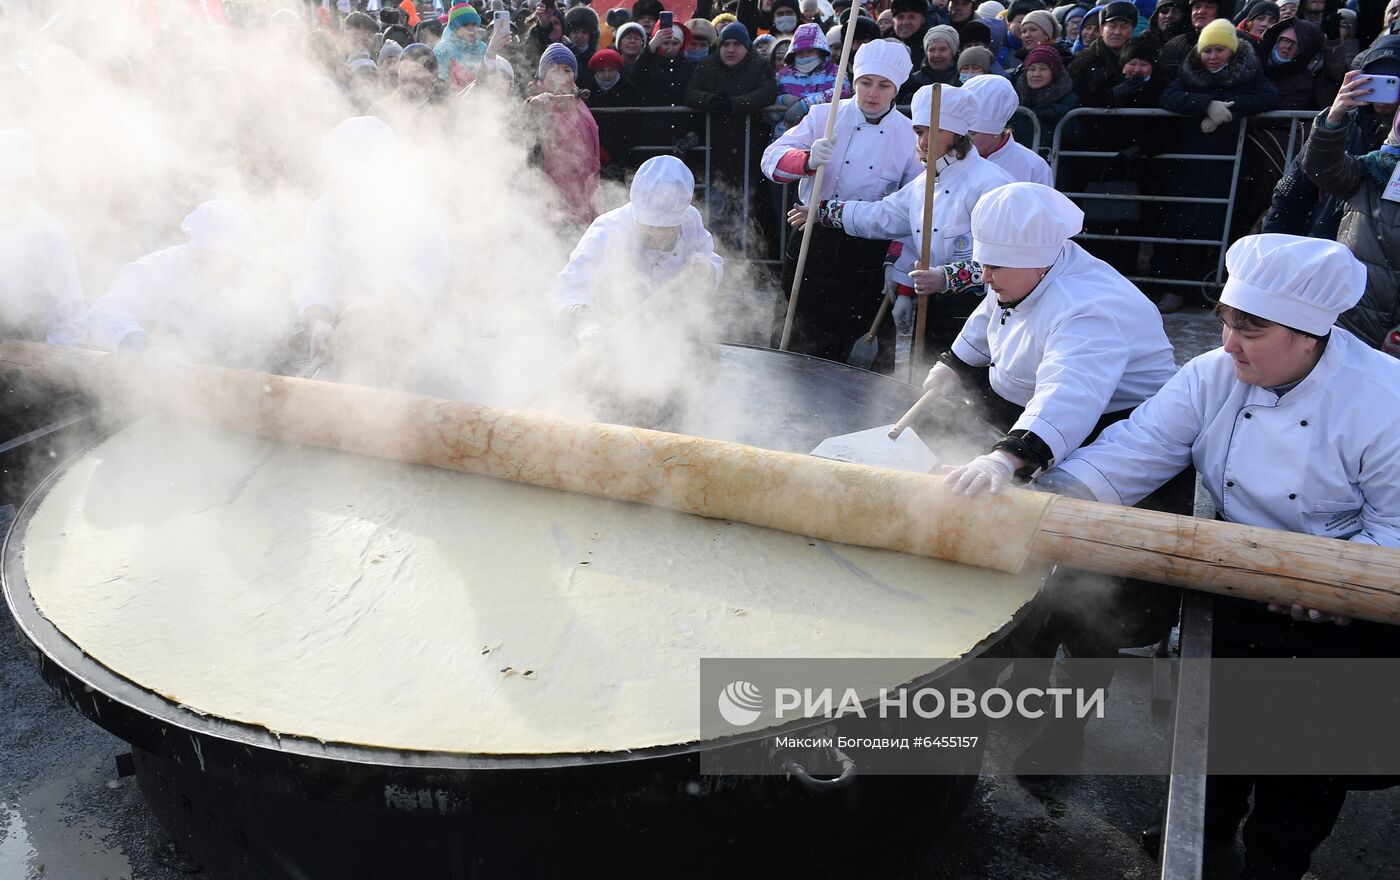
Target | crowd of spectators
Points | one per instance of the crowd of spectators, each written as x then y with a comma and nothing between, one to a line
714,87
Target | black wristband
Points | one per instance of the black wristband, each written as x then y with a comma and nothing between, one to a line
1026,446
964,370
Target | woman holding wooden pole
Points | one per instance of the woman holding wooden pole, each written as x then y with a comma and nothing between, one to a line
1294,424
961,178
868,155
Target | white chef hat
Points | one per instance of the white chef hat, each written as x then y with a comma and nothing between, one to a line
357,145
19,154
1023,226
993,102
661,192
1302,283
220,226
955,109
887,58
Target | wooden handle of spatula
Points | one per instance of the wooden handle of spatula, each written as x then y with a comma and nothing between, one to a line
908,417
814,200
879,317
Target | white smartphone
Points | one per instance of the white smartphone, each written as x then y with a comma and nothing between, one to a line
1384,90
502,20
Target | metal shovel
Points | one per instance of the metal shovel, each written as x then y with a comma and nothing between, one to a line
863,352
896,446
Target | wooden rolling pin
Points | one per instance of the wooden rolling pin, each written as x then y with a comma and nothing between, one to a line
829,500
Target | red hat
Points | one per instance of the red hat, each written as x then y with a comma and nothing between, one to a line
605,59
1048,56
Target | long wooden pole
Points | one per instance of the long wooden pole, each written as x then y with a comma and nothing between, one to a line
814,200
932,154
803,494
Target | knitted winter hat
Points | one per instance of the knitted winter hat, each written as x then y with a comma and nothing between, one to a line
557,53
1047,56
1218,33
945,34
976,56
629,28
1043,20
461,14
737,32
605,59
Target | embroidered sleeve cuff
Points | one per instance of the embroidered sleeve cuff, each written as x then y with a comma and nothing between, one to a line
963,276
829,213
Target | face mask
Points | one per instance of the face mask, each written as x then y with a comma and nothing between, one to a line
697,54
964,77
1277,58
807,65
785,24
606,79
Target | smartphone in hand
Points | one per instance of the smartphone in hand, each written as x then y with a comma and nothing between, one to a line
1384,89
667,20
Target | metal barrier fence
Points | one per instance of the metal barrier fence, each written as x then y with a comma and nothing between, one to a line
1296,122
1058,152
705,146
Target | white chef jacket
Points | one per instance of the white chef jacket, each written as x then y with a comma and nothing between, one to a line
612,272
1024,165
960,183
1084,343
235,323
355,246
1323,459
41,294
868,161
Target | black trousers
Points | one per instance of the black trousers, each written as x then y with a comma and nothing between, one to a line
1292,815
842,287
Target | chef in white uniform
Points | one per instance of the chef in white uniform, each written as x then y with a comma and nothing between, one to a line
41,295
962,178
995,101
194,301
871,154
627,256
1293,424
1060,347
372,270
1065,341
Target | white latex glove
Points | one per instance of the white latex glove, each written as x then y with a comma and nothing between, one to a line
1208,125
163,364
322,332
589,333
927,281
903,311
990,472
1219,111
820,153
941,377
